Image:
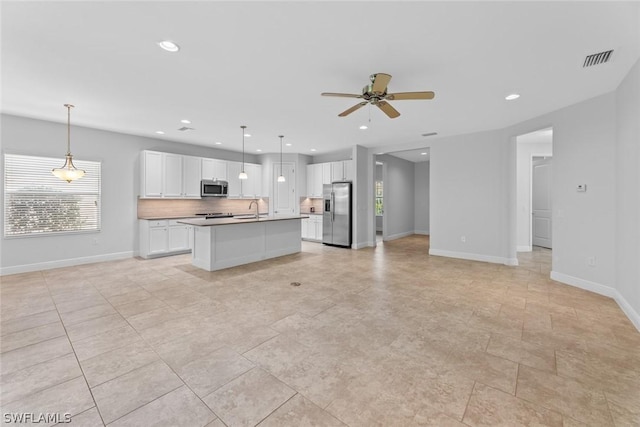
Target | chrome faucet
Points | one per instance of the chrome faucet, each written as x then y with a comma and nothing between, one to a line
251,204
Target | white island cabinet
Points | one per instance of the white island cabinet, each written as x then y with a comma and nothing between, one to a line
223,243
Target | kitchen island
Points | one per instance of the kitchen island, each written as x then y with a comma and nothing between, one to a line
227,242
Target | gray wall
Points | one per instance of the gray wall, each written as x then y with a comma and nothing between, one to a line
399,193
627,231
421,198
119,154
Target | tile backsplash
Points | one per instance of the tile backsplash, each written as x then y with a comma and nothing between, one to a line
306,204
181,208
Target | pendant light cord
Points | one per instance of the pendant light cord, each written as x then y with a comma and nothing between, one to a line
69,107
243,127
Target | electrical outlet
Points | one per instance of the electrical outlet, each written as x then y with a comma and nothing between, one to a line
463,239
591,261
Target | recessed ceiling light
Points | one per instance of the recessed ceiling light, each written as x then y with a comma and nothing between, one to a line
379,154
363,127
288,144
185,121
512,97
313,149
258,149
423,154
248,135
169,46
218,143
159,132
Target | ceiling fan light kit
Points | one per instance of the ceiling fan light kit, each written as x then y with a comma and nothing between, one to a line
376,93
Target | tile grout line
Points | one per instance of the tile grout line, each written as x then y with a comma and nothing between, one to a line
466,408
74,353
279,406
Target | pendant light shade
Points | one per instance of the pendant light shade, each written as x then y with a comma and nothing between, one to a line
243,174
68,172
281,178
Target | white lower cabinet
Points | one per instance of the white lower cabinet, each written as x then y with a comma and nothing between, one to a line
312,228
162,237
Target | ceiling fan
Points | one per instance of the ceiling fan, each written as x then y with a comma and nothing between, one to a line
376,93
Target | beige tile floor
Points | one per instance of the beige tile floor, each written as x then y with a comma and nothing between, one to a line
387,336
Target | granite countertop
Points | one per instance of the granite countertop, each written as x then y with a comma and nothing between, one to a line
240,219
310,213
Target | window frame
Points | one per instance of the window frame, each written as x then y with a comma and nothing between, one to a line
92,166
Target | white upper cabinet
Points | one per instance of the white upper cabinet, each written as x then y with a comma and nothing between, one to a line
326,173
214,169
342,171
314,180
252,186
151,174
169,176
191,175
172,175
235,187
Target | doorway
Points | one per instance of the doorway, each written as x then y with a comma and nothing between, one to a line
534,151
379,202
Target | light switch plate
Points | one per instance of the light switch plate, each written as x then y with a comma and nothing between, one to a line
581,188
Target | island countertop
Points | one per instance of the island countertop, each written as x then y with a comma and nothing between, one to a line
242,219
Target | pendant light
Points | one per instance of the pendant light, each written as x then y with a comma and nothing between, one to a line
68,171
243,174
281,177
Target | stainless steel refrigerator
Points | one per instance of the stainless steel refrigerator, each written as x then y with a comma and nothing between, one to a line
336,216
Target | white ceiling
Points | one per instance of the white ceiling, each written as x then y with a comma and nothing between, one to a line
264,64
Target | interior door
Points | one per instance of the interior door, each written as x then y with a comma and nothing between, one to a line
541,202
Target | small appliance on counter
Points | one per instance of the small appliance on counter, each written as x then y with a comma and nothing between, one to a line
336,218
214,188
312,209
215,215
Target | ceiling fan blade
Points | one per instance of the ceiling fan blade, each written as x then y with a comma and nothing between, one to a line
410,95
342,95
380,83
352,109
388,109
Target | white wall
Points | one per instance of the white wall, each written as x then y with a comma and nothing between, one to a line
627,231
421,198
528,145
469,197
399,193
119,154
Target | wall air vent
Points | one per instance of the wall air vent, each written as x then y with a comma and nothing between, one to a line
597,58
430,134
185,129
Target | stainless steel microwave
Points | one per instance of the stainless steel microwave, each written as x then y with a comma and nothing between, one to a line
213,188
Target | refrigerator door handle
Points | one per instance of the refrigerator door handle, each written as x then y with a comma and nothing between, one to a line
333,206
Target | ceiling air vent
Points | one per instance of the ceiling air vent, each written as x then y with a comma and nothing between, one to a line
185,129
597,58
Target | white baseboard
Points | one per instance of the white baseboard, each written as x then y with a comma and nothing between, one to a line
361,245
607,291
474,257
421,232
399,235
26,268
524,248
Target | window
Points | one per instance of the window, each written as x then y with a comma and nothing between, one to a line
379,205
38,203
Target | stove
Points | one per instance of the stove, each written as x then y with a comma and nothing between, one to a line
212,215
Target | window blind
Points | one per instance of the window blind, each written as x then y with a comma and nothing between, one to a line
37,203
